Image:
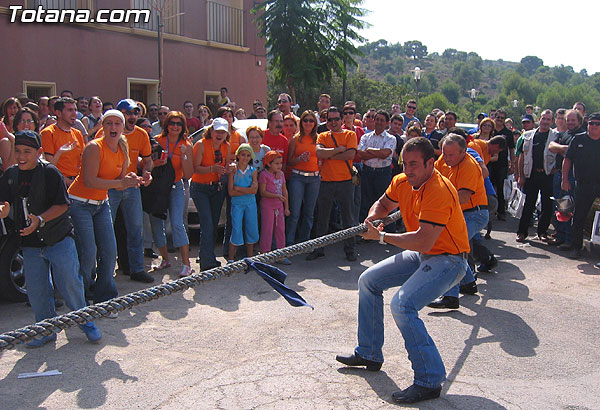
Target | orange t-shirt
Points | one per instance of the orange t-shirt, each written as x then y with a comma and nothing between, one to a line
466,175
234,141
482,149
139,146
208,159
304,144
435,202
174,153
111,165
337,169
53,137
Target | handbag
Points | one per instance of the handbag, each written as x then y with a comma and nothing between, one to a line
515,206
355,176
155,197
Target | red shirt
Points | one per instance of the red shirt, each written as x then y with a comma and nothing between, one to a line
277,143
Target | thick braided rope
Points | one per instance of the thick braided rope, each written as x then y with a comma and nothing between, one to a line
90,313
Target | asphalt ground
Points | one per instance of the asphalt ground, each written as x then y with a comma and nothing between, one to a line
527,340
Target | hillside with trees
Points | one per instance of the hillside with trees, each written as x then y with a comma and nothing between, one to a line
383,74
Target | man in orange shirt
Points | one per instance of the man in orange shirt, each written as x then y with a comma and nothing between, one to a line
465,174
129,227
434,259
63,145
336,149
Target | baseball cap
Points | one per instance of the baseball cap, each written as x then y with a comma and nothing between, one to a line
29,138
220,124
527,117
127,104
113,113
482,115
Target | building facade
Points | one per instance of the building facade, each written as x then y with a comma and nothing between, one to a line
206,45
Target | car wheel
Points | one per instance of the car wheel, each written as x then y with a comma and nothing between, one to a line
12,276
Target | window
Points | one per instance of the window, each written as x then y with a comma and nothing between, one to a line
225,23
144,90
171,17
37,89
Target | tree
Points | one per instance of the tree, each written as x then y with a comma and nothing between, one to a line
309,40
415,49
451,90
449,53
530,63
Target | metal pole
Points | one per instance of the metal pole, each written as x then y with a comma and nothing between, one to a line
160,57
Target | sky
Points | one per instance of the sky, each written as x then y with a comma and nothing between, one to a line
557,32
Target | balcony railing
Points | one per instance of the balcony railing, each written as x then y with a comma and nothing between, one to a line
61,4
225,24
171,19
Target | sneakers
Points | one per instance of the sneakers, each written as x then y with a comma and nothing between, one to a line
521,238
92,332
164,264
469,288
185,271
142,277
41,341
489,265
445,302
416,393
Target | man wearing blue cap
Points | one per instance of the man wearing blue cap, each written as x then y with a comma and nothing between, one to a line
41,224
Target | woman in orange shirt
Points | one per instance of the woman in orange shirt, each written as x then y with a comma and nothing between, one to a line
103,167
174,142
207,189
305,180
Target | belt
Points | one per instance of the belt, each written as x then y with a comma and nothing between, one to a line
380,169
87,201
463,255
306,174
476,208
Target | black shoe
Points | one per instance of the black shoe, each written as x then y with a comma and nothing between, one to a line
489,265
574,254
521,238
350,256
469,288
149,253
501,217
556,242
488,236
565,247
445,302
142,277
544,237
356,360
416,393
315,254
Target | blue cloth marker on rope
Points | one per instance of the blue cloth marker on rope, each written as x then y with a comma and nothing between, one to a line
276,278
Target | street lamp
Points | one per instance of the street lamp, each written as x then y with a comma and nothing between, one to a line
515,103
473,95
417,77
537,109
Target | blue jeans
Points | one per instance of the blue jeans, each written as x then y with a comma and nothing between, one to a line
176,202
62,257
563,229
422,279
130,200
209,201
96,247
244,220
476,221
303,192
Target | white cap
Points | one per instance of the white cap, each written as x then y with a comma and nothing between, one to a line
113,113
220,124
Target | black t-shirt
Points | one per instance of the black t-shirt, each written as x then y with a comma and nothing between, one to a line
55,194
539,144
510,144
585,154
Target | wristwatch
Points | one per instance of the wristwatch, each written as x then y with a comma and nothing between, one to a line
382,237
42,222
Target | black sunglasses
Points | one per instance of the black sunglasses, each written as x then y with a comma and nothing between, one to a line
334,119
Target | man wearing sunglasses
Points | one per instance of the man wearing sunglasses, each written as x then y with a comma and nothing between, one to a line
157,125
336,149
583,154
410,114
284,104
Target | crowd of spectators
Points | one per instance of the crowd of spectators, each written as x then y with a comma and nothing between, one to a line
129,171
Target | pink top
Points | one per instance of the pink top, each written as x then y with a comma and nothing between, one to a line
274,184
